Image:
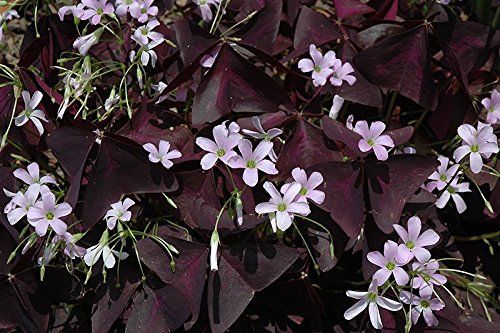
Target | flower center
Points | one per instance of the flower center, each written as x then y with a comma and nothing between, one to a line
49,216
281,207
372,296
251,164
443,177
492,109
143,11
203,2
474,148
424,303
451,189
99,11
221,152
426,277
317,69
128,2
144,31
28,111
371,142
390,266
410,245
303,191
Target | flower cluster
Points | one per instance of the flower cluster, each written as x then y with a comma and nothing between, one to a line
327,67
422,274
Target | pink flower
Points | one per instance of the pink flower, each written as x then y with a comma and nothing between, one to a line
95,9
46,213
142,10
83,44
319,66
452,192
426,276
388,264
162,153
252,161
477,143
145,33
283,205
221,149
413,242
23,203
31,176
30,111
443,175
341,72
308,186
492,106
119,212
424,304
372,138
372,300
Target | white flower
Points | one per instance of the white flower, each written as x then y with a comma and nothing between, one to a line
119,212
338,101
443,174
452,192
372,300
108,256
23,202
30,112
162,153
145,33
46,213
84,43
214,245
31,176
320,65
148,54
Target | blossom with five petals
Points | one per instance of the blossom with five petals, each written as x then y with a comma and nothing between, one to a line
388,264
46,213
162,153
119,212
30,112
477,143
320,65
373,138
220,149
414,243
308,186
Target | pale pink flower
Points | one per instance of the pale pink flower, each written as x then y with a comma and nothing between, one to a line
308,186
162,153
145,33
46,213
262,134
6,16
338,101
142,10
388,264
119,212
84,43
426,275
206,10
22,204
477,143
372,300
123,7
373,138
30,112
208,59
452,191
414,243
320,65
108,255
349,121
31,176
284,206
95,9
220,149
424,305
492,106
71,250
443,175
148,55
253,160
76,11
341,72
214,246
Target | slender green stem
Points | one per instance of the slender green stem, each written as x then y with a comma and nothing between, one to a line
316,266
